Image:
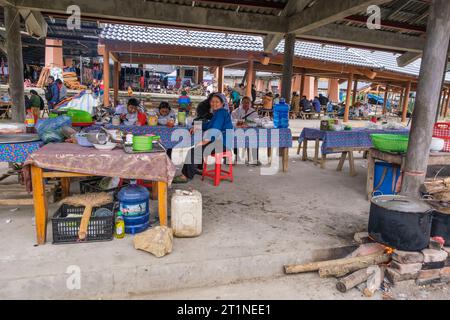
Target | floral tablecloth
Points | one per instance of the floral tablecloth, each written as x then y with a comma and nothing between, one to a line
18,152
179,137
356,138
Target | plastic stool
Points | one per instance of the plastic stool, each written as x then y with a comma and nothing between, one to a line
217,173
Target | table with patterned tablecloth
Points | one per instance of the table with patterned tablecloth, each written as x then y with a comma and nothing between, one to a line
18,152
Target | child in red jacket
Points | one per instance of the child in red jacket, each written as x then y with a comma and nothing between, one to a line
134,117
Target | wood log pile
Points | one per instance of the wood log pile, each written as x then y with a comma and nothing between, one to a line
71,81
42,82
372,266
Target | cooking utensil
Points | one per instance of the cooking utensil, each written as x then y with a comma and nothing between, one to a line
97,137
400,222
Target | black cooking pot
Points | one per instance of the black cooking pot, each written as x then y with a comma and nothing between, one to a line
440,227
400,222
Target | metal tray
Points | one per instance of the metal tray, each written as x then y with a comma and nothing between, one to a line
157,148
18,138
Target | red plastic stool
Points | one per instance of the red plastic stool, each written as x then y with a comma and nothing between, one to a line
217,173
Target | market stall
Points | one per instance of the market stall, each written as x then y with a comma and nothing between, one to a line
344,142
66,160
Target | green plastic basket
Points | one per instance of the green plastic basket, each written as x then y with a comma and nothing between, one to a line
395,143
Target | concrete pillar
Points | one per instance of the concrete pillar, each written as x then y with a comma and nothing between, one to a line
433,65
333,90
348,98
302,85
106,101
220,79
316,87
406,101
386,95
296,84
288,64
15,63
308,89
116,76
54,53
250,69
200,74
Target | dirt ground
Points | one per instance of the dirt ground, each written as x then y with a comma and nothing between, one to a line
251,228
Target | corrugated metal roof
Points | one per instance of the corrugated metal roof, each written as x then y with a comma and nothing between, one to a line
379,60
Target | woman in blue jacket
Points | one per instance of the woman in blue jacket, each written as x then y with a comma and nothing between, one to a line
213,141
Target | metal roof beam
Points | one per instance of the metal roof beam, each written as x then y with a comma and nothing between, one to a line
164,14
324,12
371,38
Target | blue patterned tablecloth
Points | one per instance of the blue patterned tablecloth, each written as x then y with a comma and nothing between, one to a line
18,152
179,137
356,138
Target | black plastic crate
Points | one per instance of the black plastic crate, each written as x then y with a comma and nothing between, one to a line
65,230
91,186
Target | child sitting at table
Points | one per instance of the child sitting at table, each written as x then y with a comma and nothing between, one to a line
165,112
134,116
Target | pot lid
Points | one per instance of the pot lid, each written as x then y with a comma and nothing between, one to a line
401,204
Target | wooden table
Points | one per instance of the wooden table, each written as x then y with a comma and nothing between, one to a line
6,107
40,201
435,159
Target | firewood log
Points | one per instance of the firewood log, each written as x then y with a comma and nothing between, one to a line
352,280
343,269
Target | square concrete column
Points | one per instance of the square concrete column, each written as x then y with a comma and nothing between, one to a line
250,79
348,98
220,80
288,64
333,90
200,74
106,76
54,53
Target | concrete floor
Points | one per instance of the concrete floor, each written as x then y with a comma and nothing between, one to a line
251,228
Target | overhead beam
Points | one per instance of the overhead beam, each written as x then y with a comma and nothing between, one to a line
365,37
408,58
325,12
292,7
35,23
163,13
168,60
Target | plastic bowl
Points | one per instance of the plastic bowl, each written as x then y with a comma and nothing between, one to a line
105,147
79,116
142,143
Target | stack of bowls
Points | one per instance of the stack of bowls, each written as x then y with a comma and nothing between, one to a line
142,143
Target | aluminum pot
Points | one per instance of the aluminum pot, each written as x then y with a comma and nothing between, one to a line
400,222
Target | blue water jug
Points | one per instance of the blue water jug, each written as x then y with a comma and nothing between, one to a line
134,204
385,178
281,114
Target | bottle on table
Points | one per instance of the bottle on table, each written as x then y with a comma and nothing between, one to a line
119,231
281,114
29,122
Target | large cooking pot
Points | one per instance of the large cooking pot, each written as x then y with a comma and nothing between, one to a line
440,227
400,222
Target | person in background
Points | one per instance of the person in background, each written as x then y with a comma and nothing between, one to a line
165,112
305,104
36,104
316,104
204,109
134,116
235,97
52,93
323,100
295,103
62,90
253,94
184,102
220,121
246,113
267,101
241,89
120,108
276,100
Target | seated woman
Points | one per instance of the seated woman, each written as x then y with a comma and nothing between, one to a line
165,112
134,116
220,121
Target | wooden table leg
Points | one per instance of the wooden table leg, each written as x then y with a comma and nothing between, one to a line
305,150
154,194
299,148
40,204
285,158
65,186
342,161
269,155
322,163
316,152
351,161
162,203
370,175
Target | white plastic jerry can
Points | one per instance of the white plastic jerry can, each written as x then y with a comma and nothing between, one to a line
186,212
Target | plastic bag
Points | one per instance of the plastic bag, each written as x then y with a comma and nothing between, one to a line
49,130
